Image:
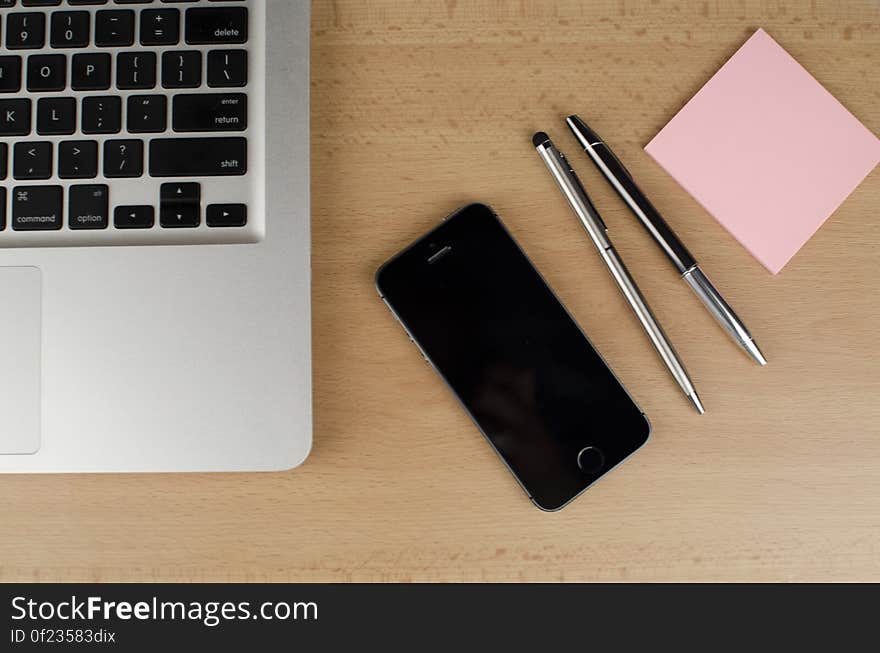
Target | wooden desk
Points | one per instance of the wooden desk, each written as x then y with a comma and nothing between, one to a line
420,107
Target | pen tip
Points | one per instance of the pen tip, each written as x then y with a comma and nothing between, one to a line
539,139
755,353
697,403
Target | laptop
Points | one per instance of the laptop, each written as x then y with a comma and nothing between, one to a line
154,235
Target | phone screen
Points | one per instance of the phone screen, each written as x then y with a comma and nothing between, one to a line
516,360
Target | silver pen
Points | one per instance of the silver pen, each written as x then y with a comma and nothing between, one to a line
620,179
580,203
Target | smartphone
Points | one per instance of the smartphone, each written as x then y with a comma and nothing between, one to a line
489,324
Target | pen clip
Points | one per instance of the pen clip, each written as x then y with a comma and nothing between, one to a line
577,180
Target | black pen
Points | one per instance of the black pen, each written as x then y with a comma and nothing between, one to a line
618,176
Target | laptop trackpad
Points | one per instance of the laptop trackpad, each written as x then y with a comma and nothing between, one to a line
20,336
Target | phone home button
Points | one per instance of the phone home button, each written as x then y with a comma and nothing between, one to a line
591,459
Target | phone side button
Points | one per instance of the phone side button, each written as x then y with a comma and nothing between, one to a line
591,459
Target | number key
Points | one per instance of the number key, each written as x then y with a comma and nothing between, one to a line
70,29
25,31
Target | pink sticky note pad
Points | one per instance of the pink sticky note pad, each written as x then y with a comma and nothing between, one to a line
766,150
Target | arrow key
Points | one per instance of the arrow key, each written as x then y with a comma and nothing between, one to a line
226,215
179,215
78,159
134,217
180,205
181,193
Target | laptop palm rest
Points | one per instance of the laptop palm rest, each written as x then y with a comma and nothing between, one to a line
20,337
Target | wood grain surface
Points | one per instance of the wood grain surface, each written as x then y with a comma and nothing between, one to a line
419,107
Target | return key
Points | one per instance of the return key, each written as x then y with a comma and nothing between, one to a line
209,112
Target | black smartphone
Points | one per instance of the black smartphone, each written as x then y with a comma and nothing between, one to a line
484,318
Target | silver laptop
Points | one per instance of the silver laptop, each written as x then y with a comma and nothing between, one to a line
154,235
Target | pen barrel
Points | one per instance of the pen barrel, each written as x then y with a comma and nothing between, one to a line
574,193
649,323
715,304
618,176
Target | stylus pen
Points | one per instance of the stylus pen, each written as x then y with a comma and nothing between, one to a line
583,208
618,176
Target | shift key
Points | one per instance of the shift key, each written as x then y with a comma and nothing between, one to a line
198,157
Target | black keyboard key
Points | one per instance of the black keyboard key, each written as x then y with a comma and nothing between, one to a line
197,157
179,216
10,74
87,206
40,3
87,2
90,72
209,112
227,68
101,114
32,160
2,208
15,117
146,114
114,28
4,157
124,158
182,69
136,70
46,72
56,115
160,27
216,25
181,193
70,29
25,31
78,159
134,217
180,205
37,208
226,215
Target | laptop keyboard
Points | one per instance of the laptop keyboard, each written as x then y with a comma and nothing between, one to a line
130,122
